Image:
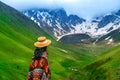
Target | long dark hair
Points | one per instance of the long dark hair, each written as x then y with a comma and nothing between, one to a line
38,52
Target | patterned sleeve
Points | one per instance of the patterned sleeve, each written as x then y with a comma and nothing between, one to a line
47,70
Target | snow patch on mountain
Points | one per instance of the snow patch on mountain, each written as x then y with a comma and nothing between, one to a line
63,24
107,38
110,41
32,18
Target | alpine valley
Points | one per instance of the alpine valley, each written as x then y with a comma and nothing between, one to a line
67,61
62,26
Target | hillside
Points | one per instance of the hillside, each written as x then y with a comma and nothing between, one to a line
106,67
76,39
17,35
110,38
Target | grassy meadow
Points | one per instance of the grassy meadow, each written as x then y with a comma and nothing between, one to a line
67,62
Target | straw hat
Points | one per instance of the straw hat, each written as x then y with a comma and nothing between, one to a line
42,42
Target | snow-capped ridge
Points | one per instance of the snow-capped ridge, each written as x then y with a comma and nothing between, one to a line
61,24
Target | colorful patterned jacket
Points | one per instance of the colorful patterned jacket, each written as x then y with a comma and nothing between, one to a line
39,68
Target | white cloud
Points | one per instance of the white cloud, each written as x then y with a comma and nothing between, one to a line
83,8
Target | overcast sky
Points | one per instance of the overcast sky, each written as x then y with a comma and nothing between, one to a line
83,8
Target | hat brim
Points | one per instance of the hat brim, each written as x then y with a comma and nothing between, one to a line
42,44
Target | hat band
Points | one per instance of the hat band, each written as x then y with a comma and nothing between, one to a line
43,42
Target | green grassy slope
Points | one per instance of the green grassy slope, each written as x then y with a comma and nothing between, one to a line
17,35
105,67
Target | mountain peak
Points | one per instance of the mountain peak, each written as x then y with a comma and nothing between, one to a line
60,24
56,19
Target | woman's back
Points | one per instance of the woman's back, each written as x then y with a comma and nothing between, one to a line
39,67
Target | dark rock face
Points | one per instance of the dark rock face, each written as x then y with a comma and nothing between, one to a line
75,39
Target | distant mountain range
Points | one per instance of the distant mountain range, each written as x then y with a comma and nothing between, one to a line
59,24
